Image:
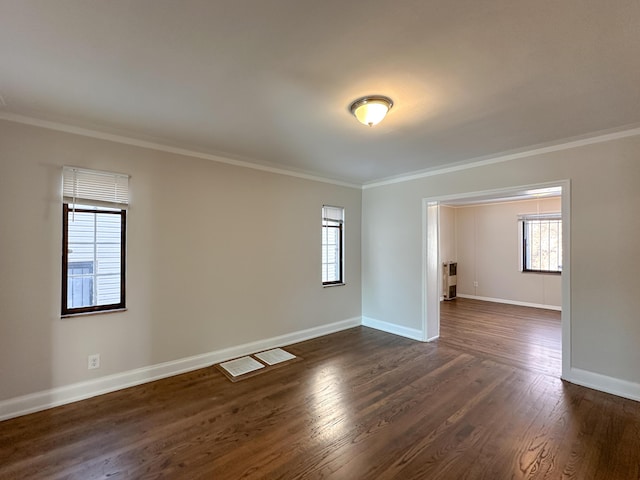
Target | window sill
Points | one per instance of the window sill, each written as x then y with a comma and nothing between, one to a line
543,272
98,312
333,285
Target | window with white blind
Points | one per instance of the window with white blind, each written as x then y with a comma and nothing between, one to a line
332,245
541,242
94,218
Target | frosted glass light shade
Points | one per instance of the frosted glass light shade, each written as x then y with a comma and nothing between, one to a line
371,110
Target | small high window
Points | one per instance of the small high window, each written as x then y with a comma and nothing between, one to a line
541,243
94,219
332,245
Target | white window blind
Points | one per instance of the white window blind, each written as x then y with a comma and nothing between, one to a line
332,214
97,187
539,216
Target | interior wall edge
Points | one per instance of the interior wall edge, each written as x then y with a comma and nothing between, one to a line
604,383
511,302
124,140
412,333
43,400
566,144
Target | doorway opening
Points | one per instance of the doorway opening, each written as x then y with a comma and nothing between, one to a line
470,290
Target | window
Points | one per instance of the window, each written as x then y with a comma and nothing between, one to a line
79,283
541,243
94,218
332,245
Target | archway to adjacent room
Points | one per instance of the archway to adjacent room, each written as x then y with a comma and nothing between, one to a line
432,261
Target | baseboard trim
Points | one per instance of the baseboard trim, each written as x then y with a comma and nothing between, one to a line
34,402
511,302
407,332
604,383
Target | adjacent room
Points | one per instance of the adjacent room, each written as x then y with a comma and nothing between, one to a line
504,251
226,228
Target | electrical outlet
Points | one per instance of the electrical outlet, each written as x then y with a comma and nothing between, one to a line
475,284
94,361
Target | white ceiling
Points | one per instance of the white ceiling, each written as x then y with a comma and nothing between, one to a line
270,81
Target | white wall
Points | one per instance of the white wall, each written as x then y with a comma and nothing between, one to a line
489,253
218,256
605,201
448,236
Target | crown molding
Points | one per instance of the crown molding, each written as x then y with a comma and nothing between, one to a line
568,144
464,165
86,132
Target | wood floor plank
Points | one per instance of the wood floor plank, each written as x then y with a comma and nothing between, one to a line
483,402
526,337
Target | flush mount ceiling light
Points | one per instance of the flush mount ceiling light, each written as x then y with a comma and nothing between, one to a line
371,110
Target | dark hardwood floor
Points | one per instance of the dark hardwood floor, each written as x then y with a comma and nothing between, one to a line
526,337
362,404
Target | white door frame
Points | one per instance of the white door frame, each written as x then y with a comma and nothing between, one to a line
432,278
